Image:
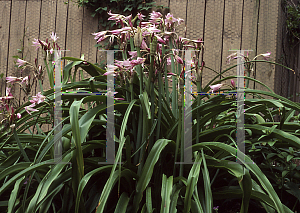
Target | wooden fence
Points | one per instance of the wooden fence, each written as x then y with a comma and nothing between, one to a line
223,24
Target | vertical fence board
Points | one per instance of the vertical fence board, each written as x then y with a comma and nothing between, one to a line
213,38
32,26
46,28
195,19
89,25
61,25
232,33
74,32
5,7
249,30
16,41
178,9
194,23
267,41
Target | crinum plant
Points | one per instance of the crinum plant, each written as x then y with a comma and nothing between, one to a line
149,114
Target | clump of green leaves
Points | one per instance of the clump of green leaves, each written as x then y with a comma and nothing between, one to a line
292,11
125,7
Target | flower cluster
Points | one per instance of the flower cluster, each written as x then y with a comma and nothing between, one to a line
142,33
47,46
39,98
248,64
7,105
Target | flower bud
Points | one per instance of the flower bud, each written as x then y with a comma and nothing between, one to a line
181,83
232,83
138,37
178,59
153,46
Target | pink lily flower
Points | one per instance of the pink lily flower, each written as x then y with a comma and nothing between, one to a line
169,61
21,62
53,37
25,80
100,36
145,24
128,18
7,90
110,70
154,15
153,29
30,109
118,31
36,43
140,16
180,21
215,88
144,45
170,19
39,98
178,59
266,55
110,73
11,79
132,54
160,39
114,17
138,61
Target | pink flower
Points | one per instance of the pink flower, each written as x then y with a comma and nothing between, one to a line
180,21
25,80
39,98
11,79
100,36
128,18
145,24
118,31
132,53
178,59
138,61
6,98
115,17
53,36
230,57
123,64
110,70
19,115
39,70
21,62
140,16
144,45
170,19
155,17
36,43
169,61
8,89
215,88
160,39
30,108
153,29
266,55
